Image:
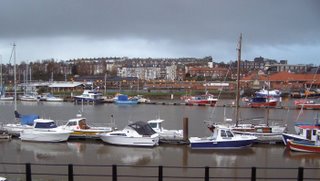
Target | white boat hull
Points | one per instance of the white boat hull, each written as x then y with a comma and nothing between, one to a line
44,135
15,129
130,141
6,98
29,99
54,100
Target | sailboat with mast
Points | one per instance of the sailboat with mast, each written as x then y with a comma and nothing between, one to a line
3,96
26,121
264,132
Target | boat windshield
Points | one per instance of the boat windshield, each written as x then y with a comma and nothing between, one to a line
45,125
153,125
226,134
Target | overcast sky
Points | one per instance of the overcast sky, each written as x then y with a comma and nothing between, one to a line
68,29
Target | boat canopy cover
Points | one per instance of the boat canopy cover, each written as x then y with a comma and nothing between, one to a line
26,119
142,128
122,97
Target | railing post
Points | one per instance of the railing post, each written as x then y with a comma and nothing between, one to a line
300,174
206,173
114,172
70,172
160,176
28,172
253,173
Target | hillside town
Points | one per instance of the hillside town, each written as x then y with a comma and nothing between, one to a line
166,74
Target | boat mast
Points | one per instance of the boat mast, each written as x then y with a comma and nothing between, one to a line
15,76
268,96
238,80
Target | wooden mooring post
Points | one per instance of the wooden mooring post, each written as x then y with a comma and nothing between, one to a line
186,130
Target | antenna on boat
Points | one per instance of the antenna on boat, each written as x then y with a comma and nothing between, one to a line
238,79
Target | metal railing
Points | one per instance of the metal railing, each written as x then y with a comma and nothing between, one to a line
72,172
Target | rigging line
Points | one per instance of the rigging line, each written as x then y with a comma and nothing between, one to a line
224,80
313,79
11,56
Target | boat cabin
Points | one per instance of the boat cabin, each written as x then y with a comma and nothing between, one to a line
78,123
91,94
156,124
309,132
219,132
44,123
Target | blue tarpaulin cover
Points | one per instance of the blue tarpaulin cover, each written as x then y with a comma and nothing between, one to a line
26,119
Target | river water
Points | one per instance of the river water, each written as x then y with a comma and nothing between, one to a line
96,152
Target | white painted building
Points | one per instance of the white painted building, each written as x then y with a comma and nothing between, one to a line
171,72
147,73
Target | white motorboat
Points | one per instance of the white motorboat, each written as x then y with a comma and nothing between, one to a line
50,98
80,128
6,98
26,122
3,96
90,96
135,134
45,130
141,99
164,134
267,93
30,96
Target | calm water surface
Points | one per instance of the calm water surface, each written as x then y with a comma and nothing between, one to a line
96,152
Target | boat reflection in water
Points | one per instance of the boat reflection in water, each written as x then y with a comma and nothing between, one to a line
127,155
49,151
46,151
222,158
302,157
79,150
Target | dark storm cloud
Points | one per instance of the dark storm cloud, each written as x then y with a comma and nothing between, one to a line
182,23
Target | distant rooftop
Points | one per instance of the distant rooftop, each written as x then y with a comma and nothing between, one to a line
65,84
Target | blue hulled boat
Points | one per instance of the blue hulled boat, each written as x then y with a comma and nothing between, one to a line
221,138
123,99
